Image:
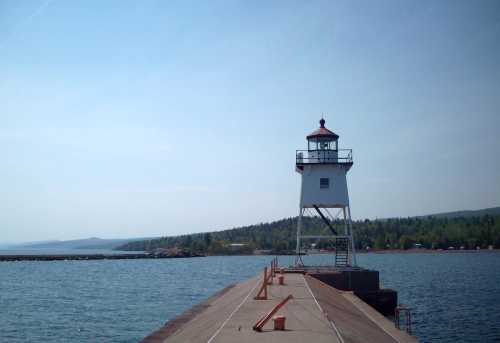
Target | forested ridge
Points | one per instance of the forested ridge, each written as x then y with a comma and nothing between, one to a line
432,232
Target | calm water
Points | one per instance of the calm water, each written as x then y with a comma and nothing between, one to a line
455,297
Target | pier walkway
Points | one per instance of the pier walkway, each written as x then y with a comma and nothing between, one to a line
317,313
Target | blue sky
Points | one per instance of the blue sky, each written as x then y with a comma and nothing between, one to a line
147,118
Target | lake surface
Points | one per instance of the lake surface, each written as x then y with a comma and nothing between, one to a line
455,296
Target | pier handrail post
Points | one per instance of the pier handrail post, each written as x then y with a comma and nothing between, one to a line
270,276
273,267
408,321
396,317
265,283
263,288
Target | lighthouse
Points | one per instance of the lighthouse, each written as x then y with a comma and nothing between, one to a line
323,168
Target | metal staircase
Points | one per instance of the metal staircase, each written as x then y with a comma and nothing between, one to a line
341,251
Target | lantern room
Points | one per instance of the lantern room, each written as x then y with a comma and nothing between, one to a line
322,139
323,148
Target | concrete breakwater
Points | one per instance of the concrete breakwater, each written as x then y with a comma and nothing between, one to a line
312,309
86,257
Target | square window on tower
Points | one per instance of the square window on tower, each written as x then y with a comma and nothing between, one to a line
324,182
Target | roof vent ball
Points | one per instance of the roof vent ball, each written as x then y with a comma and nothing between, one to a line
322,122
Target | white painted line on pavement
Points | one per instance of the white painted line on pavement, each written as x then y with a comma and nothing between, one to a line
319,306
232,313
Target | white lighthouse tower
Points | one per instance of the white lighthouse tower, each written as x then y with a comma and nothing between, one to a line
323,167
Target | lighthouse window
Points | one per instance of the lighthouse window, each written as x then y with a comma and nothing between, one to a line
324,182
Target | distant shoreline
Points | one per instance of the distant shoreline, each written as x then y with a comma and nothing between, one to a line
427,251
131,256
373,251
402,251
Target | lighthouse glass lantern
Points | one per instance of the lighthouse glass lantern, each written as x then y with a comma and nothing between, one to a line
323,168
322,144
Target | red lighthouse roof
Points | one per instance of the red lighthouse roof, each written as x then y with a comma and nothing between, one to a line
322,132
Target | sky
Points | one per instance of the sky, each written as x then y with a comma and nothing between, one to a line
152,118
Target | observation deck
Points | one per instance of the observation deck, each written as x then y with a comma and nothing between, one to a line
326,156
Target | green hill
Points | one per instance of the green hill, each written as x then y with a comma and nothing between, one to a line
469,229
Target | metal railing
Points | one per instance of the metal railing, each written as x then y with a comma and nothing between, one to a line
404,311
341,156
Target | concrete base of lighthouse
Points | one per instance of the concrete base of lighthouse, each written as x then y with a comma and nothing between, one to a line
364,283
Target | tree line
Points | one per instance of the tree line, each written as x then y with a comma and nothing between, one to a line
395,233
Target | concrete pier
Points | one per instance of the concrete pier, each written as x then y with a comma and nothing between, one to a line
317,313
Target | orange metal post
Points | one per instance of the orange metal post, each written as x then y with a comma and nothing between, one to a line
263,288
270,277
260,324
